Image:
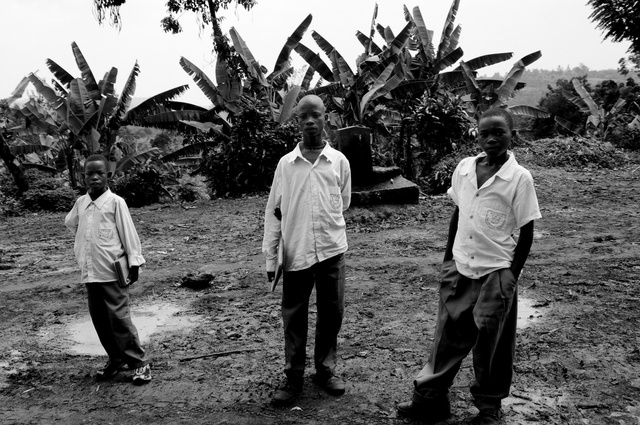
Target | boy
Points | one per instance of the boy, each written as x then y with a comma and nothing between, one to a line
311,189
494,195
104,232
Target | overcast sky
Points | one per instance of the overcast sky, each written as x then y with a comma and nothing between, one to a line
34,30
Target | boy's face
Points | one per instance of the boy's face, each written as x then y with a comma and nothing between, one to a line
494,136
311,116
96,176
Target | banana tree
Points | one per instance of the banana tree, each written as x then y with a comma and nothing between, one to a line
599,121
482,94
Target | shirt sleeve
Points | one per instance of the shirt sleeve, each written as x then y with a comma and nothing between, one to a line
345,178
72,219
272,228
453,190
128,235
525,205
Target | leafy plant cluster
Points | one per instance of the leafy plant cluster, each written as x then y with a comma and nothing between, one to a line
141,185
46,193
245,162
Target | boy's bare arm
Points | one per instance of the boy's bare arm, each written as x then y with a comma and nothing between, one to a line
522,249
453,229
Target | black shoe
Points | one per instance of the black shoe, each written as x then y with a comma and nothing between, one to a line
331,384
287,392
110,370
489,416
425,410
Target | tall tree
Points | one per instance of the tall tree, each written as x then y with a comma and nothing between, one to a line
207,11
620,21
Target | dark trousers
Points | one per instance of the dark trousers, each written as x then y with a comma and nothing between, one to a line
329,278
111,317
478,315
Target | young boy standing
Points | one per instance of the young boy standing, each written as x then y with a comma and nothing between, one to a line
311,189
104,232
494,196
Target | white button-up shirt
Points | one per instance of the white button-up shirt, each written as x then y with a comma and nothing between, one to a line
489,215
311,198
104,232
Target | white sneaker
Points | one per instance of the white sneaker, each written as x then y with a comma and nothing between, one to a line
142,375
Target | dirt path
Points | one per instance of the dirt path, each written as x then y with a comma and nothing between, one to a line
578,362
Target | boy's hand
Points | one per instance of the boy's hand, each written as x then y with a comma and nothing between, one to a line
271,276
133,274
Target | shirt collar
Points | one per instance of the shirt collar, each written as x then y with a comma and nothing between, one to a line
102,199
505,172
327,152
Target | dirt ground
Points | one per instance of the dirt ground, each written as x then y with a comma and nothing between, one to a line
578,354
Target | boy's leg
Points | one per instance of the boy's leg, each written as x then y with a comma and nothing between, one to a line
455,333
296,290
496,318
330,282
124,331
101,321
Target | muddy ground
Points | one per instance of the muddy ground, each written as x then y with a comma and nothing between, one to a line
578,357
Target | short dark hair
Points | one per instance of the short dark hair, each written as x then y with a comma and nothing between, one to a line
499,112
97,157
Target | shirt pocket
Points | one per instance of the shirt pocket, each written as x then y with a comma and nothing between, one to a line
495,217
107,234
335,199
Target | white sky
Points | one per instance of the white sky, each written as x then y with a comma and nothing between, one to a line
34,30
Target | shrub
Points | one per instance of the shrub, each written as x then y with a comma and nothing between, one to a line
245,163
624,138
577,152
46,193
141,185
190,189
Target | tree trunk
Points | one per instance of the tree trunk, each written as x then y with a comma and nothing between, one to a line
14,169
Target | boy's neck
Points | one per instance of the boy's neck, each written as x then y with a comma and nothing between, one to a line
312,142
95,194
496,161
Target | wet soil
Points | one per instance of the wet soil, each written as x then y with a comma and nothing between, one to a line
578,354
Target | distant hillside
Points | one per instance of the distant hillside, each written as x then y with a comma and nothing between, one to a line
538,80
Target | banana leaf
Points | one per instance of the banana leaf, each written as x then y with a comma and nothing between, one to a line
124,100
369,47
376,89
586,97
447,29
369,44
80,103
617,107
528,111
410,89
57,103
243,50
454,40
574,128
134,114
335,89
173,117
576,100
181,106
136,158
202,81
106,85
282,63
59,72
446,61
306,80
330,51
315,62
372,75
381,31
203,127
506,89
288,103
488,60
398,42
425,35
89,81
470,82
18,91
27,149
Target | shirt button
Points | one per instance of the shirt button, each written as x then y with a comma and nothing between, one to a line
471,216
470,237
477,194
473,258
